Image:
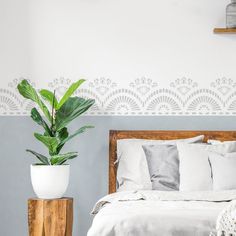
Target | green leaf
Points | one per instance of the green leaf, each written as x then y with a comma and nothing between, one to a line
27,91
79,131
62,135
42,158
49,97
62,158
69,92
72,108
35,115
50,142
66,139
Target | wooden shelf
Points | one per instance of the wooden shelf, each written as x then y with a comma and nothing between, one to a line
224,31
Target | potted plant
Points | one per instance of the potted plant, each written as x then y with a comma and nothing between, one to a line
50,176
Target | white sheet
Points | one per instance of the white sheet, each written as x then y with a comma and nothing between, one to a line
155,213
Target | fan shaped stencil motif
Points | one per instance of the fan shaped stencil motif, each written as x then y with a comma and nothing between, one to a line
141,96
123,100
60,85
183,85
9,102
102,85
204,101
224,85
143,85
163,101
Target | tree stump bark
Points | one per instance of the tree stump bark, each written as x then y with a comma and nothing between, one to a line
50,217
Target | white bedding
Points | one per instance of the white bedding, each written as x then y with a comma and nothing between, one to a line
156,213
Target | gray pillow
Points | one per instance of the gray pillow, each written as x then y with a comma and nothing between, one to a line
223,168
163,165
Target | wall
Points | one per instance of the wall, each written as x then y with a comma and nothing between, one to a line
89,172
143,59
139,57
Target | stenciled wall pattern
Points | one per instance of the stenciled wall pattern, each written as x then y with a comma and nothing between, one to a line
143,96
139,58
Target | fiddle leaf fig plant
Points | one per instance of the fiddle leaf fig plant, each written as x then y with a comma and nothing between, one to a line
57,114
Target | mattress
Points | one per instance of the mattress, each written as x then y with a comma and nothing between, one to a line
154,213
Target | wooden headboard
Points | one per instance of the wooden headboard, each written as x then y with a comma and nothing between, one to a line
148,134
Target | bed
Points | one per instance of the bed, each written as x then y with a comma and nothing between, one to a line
154,213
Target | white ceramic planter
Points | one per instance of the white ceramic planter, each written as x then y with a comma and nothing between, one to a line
50,181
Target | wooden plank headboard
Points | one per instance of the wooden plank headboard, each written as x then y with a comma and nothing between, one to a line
148,134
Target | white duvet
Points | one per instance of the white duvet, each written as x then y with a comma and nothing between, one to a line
156,213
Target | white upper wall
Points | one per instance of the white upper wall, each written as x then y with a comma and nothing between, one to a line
14,40
121,40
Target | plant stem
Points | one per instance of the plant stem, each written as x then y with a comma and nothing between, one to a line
53,112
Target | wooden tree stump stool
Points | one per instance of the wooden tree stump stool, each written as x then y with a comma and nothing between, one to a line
50,217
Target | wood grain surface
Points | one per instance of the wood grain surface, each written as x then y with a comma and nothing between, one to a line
50,217
224,31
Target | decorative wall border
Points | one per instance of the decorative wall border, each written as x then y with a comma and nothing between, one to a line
142,97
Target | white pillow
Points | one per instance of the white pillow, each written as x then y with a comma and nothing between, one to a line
194,167
132,171
223,171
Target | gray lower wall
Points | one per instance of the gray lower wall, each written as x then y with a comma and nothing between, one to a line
89,172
